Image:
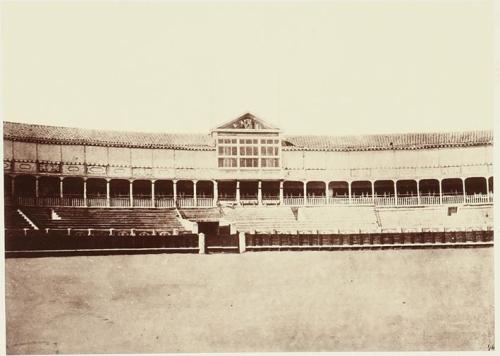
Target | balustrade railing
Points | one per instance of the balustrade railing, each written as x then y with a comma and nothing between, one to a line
205,202
120,201
189,201
429,199
453,199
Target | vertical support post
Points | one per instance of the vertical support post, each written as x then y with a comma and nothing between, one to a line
61,192
395,193
216,192
487,189
418,192
463,189
440,192
195,199
305,192
373,191
201,243
259,192
242,242
175,191
326,192
349,191
36,187
281,192
108,200
238,192
131,192
153,193
85,191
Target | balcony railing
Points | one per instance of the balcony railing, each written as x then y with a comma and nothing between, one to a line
190,201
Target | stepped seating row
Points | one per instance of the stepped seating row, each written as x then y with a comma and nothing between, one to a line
355,219
464,217
98,218
14,220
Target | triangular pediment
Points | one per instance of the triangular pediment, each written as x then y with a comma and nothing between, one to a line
246,122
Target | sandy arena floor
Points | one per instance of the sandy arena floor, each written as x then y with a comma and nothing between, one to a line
268,301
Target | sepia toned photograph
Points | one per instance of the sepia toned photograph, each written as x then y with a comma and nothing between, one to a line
208,177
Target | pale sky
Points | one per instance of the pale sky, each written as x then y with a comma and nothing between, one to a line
325,68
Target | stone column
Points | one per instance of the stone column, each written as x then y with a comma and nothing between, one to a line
131,192
418,192
487,189
259,192
395,193
440,192
238,192
373,191
108,200
85,191
195,199
241,242
216,192
349,191
61,192
281,192
305,192
175,191
463,188
153,193
37,186
326,192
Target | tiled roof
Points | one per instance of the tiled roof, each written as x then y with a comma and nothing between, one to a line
388,141
67,135
76,136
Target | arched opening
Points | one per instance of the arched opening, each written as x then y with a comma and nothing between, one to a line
429,191
226,190
475,185
293,189
406,188
361,189
141,189
119,192
316,189
384,188
49,187
73,187
452,186
164,189
141,192
248,190
452,191
429,187
185,189
270,190
164,193
24,189
205,189
72,191
339,189
204,193
96,192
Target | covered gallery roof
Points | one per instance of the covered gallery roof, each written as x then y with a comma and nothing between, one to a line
77,136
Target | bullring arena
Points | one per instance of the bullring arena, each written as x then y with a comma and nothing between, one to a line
289,243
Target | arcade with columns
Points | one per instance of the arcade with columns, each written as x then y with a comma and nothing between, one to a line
107,192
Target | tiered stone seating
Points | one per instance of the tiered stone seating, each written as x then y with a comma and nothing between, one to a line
343,218
13,220
99,218
261,219
466,217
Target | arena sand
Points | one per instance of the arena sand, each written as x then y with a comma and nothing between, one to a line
267,301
